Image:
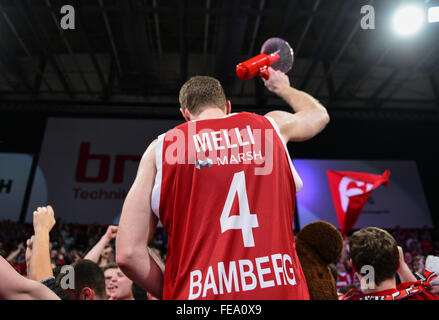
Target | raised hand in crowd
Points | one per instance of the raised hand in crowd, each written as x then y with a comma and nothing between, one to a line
12,257
39,265
102,253
404,272
29,252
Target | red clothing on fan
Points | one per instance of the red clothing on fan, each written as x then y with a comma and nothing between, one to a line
225,193
20,267
345,279
417,290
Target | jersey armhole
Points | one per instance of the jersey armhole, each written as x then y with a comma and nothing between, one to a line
297,180
156,190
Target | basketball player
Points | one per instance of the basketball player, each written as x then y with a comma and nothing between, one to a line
223,186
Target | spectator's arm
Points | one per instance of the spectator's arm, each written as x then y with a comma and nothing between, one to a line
157,259
16,287
14,254
404,272
40,266
95,252
136,229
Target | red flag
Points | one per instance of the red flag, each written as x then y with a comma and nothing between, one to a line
350,191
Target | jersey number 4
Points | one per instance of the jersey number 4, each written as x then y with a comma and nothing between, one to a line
245,221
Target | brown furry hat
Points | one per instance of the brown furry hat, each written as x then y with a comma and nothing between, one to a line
318,245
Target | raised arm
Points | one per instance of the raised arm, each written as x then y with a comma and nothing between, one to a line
95,252
39,266
16,287
404,272
136,229
309,117
14,254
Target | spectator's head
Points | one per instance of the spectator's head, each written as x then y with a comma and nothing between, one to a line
109,271
340,267
376,248
117,285
418,264
408,258
200,92
89,283
53,254
108,253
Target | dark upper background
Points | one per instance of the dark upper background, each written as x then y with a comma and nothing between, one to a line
128,59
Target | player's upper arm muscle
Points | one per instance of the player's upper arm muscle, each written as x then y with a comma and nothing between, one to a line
138,222
300,126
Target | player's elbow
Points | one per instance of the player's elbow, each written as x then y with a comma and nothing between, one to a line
124,253
321,121
124,259
325,118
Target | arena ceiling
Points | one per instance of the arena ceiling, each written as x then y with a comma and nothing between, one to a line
137,53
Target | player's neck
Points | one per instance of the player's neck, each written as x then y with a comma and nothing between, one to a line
209,113
384,285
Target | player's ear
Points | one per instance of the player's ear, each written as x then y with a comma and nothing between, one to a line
228,107
87,294
185,114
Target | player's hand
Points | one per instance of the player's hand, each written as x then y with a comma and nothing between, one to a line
277,82
44,219
111,233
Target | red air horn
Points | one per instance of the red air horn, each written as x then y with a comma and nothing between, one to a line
275,52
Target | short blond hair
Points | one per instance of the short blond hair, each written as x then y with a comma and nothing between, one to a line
202,91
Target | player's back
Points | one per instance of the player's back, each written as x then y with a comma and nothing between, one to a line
225,192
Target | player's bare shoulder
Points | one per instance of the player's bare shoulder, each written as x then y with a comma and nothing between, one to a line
148,157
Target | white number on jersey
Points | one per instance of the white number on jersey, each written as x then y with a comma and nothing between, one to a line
245,221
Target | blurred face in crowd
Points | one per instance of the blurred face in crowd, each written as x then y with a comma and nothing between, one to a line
408,257
108,253
109,275
418,265
340,267
53,254
118,286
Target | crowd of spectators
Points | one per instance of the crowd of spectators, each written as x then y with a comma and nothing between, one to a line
416,244
70,243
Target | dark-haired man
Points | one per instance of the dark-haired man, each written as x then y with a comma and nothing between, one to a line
223,186
376,256
89,281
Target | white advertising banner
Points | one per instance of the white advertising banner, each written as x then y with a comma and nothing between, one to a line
87,166
14,175
402,203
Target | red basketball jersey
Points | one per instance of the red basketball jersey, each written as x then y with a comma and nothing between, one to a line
225,194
